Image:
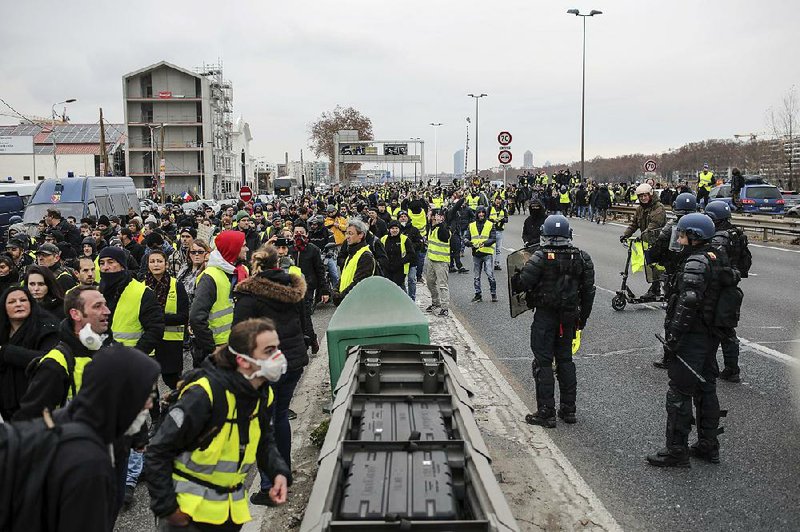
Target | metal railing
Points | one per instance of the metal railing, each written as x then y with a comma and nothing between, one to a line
760,223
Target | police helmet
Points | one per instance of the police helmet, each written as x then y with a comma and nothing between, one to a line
718,210
556,225
685,203
697,226
563,189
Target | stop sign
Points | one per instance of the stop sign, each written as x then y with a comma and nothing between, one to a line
245,194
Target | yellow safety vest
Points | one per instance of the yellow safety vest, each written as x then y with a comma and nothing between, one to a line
495,215
220,464
349,270
479,238
393,212
294,270
438,250
563,198
437,202
418,220
125,326
172,333
220,317
472,201
97,269
705,179
77,373
403,240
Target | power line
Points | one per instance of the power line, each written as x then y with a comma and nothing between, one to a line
18,113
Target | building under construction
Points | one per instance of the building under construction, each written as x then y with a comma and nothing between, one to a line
185,119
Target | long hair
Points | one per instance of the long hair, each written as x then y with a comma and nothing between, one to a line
53,288
32,321
264,258
242,340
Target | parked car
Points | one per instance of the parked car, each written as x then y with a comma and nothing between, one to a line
754,198
794,212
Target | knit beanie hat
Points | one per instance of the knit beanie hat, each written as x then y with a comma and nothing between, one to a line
229,244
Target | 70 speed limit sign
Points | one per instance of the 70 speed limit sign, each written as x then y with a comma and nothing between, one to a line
649,165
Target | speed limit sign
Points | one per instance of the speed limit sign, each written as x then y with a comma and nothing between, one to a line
504,138
649,165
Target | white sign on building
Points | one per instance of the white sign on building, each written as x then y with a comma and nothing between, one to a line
16,144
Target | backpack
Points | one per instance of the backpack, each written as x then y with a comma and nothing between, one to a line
27,449
723,311
559,286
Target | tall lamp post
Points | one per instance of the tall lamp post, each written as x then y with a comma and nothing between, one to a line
477,97
53,134
436,147
415,139
577,13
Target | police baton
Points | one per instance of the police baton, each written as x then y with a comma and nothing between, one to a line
664,343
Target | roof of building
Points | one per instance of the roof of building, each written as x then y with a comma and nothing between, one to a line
160,64
70,138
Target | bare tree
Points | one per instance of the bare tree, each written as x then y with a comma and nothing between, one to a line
329,122
784,125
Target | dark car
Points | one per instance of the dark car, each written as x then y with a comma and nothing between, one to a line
759,198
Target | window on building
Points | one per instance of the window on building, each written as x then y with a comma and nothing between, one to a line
26,178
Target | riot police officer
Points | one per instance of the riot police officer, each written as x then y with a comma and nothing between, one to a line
734,242
692,366
559,282
668,253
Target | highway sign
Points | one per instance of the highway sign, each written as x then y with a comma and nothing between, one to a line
649,165
245,194
504,138
504,156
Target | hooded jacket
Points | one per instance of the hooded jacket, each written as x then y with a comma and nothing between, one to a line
186,422
150,313
532,227
276,295
81,491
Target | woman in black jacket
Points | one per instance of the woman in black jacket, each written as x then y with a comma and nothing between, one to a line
272,293
175,303
9,275
25,333
46,290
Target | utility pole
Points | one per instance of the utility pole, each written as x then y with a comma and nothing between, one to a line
103,152
53,132
162,168
477,97
302,172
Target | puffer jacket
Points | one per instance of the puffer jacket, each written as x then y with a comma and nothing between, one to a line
276,295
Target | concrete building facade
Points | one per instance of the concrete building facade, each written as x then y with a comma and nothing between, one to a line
527,160
458,163
185,117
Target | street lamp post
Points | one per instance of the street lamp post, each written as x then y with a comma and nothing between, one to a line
415,139
577,13
53,134
477,97
436,147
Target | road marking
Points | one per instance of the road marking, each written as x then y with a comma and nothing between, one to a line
776,249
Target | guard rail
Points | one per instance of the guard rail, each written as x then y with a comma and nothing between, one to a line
762,223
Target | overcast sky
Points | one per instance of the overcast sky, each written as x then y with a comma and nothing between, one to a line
656,77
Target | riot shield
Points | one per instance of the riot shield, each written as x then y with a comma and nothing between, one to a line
514,261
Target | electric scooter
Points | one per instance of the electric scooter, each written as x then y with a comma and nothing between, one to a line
625,295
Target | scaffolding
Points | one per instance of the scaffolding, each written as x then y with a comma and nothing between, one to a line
221,103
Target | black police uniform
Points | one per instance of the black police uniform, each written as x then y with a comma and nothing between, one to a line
559,281
693,297
733,241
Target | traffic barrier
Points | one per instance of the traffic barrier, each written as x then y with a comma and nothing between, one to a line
377,311
403,450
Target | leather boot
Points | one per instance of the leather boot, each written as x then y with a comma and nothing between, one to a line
567,413
679,423
544,417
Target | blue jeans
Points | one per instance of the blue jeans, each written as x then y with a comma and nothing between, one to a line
486,264
283,391
420,265
497,245
333,272
135,465
412,282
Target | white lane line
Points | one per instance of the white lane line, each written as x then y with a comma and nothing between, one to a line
776,249
755,347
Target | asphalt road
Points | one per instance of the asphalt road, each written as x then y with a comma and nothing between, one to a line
621,414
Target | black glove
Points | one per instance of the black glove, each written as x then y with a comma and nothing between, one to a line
623,238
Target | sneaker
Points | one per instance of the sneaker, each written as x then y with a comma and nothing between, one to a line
261,498
463,270
452,270
444,312
730,375
477,298
543,418
497,268
494,298
291,414
431,308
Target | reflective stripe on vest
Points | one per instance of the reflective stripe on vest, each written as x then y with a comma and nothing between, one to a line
77,373
479,238
349,270
220,318
220,464
403,240
418,220
125,326
438,250
172,332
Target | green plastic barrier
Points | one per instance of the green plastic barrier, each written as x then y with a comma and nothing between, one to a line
376,311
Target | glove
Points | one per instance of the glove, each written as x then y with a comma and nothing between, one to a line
622,238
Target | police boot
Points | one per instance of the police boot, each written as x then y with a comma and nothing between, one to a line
567,414
707,445
679,424
663,363
730,375
544,417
